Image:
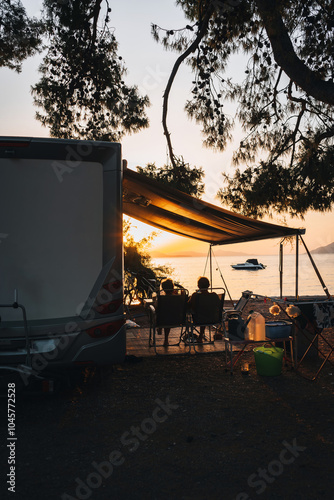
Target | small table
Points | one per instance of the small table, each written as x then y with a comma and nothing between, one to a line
229,343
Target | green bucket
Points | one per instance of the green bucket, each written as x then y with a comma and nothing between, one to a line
268,360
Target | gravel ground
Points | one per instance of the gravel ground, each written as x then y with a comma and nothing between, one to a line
174,428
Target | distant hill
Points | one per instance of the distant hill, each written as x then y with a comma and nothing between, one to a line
326,249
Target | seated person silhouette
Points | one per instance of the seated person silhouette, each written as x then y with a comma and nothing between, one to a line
203,285
167,288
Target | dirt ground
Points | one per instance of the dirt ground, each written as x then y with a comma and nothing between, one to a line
176,427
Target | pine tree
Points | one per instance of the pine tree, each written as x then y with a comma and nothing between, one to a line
284,103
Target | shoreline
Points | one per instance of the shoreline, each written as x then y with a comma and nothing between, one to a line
266,281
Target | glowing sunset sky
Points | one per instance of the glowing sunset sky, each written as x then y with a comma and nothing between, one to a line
149,66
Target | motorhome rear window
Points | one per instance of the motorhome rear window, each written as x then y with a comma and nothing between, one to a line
51,232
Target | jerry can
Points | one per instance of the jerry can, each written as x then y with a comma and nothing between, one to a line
256,327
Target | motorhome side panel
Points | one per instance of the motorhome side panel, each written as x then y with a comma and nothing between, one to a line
61,243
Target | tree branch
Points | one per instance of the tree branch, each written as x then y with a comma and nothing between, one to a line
286,57
321,136
95,15
276,92
192,47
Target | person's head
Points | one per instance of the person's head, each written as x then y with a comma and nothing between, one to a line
167,285
203,283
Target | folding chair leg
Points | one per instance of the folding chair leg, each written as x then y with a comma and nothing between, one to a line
210,341
150,338
192,338
320,352
188,335
154,340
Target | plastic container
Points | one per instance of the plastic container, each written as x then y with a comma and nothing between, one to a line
256,327
268,360
278,329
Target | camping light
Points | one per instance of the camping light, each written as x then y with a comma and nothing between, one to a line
245,368
135,302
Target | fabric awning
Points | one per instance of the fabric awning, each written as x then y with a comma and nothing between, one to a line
171,210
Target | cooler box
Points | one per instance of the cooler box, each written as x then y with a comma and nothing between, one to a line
278,329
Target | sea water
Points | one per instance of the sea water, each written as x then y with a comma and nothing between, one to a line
265,282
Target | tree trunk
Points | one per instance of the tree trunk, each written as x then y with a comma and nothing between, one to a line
287,59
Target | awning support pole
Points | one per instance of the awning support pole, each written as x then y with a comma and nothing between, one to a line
222,278
297,264
211,265
316,270
281,268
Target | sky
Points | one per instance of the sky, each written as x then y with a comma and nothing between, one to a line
149,66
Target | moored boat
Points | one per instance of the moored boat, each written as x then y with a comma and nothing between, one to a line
249,265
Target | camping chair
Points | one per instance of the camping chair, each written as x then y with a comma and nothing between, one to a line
207,311
309,326
168,311
233,316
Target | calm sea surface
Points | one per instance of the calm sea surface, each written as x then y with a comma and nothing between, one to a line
262,282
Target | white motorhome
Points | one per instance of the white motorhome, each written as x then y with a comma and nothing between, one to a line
61,254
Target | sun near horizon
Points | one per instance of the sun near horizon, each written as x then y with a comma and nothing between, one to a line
167,244
319,232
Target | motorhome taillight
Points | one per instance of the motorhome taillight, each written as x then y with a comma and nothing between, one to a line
14,144
106,329
109,307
